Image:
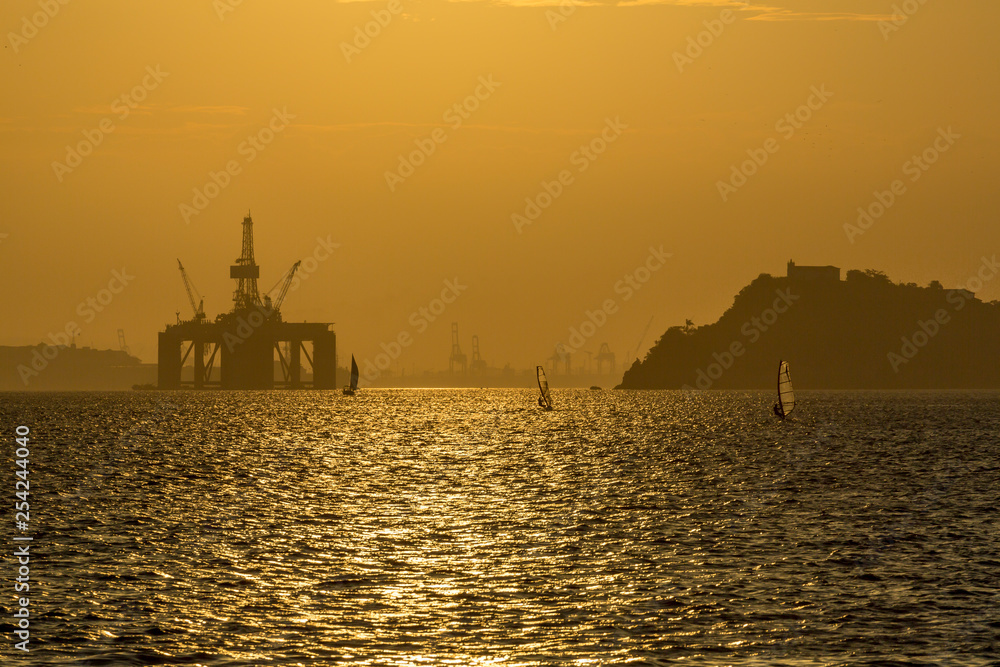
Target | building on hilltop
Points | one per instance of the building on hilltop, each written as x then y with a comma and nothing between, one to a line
830,274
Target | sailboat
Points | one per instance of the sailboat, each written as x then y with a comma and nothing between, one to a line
786,396
349,391
544,400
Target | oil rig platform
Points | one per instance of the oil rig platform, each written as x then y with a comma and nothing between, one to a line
238,350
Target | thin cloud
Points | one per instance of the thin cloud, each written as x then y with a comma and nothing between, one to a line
759,12
213,109
401,125
117,109
789,15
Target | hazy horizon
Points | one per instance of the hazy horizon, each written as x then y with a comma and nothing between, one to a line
873,89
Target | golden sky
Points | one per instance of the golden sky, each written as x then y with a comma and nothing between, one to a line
634,114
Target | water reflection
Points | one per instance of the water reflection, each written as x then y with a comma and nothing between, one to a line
451,527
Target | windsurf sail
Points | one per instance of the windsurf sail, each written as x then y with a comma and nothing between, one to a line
786,396
545,400
354,373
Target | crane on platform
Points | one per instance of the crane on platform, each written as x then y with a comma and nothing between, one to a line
285,281
199,307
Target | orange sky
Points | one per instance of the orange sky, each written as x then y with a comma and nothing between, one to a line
331,118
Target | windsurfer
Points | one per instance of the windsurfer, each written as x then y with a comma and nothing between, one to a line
777,411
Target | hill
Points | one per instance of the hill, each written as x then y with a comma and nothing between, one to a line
864,332
60,368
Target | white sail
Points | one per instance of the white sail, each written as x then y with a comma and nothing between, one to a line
786,396
354,373
545,400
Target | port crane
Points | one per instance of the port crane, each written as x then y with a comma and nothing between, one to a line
121,342
605,355
641,338
457,357
199,307
478,363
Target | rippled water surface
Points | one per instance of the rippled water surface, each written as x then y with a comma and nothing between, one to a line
462,527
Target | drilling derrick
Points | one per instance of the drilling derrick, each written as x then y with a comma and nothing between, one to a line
246,272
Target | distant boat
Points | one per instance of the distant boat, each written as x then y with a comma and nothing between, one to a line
544,400
786,396
349,391
595,388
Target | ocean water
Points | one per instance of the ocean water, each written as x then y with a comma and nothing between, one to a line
467,527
